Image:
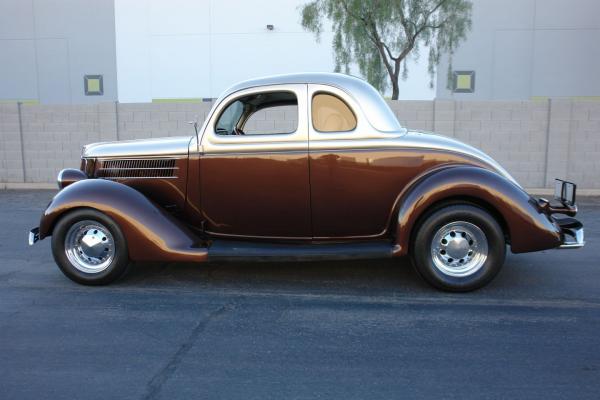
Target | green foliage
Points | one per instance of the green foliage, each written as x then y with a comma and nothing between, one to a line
378,35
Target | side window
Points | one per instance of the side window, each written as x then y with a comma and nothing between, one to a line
270,120
260,114
331,114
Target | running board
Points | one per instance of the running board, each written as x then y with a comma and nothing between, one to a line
225,250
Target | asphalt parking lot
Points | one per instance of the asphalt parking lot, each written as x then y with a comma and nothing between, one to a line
349,330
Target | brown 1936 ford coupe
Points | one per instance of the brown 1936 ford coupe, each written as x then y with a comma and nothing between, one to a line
335,176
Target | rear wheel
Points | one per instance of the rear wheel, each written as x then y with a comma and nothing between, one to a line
89,247
458,248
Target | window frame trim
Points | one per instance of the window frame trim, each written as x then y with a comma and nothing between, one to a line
363,129
295,141
233,100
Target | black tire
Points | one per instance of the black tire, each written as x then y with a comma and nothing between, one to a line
120,259
424,252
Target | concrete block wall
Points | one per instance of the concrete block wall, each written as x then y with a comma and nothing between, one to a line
151,120
583,146
53,136
534,140
513,133
11,160
416,114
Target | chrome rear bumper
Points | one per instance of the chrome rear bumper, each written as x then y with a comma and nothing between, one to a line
34,236
572,233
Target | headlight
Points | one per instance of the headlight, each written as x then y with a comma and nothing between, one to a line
69,176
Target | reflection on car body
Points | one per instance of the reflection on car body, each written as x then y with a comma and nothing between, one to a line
334,176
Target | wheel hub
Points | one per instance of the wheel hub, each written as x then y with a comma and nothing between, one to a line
89,246
92,243
459,249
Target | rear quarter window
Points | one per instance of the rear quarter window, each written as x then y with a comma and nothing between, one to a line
331,114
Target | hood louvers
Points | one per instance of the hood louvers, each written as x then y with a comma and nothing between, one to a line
136,168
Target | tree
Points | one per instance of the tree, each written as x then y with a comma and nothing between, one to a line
379,35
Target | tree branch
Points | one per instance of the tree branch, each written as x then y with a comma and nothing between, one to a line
383,33
426,17
404,23
381,46
387,49
373,35
357,17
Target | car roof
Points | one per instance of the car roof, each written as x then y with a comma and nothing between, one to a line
373,105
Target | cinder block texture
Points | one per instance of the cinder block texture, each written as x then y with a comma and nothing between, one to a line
513,133
11,164
53,136
534,140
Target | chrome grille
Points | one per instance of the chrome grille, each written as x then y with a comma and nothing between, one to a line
137,168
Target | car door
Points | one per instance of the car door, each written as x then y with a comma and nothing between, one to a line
355,175
256,183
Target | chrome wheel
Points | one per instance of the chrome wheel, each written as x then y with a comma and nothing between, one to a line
89,246
459,249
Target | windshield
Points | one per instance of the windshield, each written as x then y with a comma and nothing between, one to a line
230,118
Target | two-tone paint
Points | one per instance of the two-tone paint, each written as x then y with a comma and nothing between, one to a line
373,183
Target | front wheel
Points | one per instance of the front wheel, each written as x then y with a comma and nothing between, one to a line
458,248
89,247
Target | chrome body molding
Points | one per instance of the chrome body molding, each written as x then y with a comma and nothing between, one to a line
160,147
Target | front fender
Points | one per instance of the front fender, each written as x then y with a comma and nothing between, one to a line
151,233
528,228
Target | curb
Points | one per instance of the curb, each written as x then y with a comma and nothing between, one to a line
550,192
26,186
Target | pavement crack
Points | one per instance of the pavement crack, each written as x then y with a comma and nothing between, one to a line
155,384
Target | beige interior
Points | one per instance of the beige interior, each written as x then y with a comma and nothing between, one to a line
331,114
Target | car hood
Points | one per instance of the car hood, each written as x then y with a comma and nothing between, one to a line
138,148
422,139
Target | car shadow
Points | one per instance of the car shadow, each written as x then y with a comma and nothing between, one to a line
364,276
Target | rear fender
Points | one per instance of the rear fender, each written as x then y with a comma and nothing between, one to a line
529,229
151,233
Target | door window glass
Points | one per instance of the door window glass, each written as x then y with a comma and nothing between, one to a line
276,119
260,114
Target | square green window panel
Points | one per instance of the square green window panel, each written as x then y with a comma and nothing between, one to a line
93,85
463,81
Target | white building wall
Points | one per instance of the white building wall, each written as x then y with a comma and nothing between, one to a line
521,49
198,48
47,46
